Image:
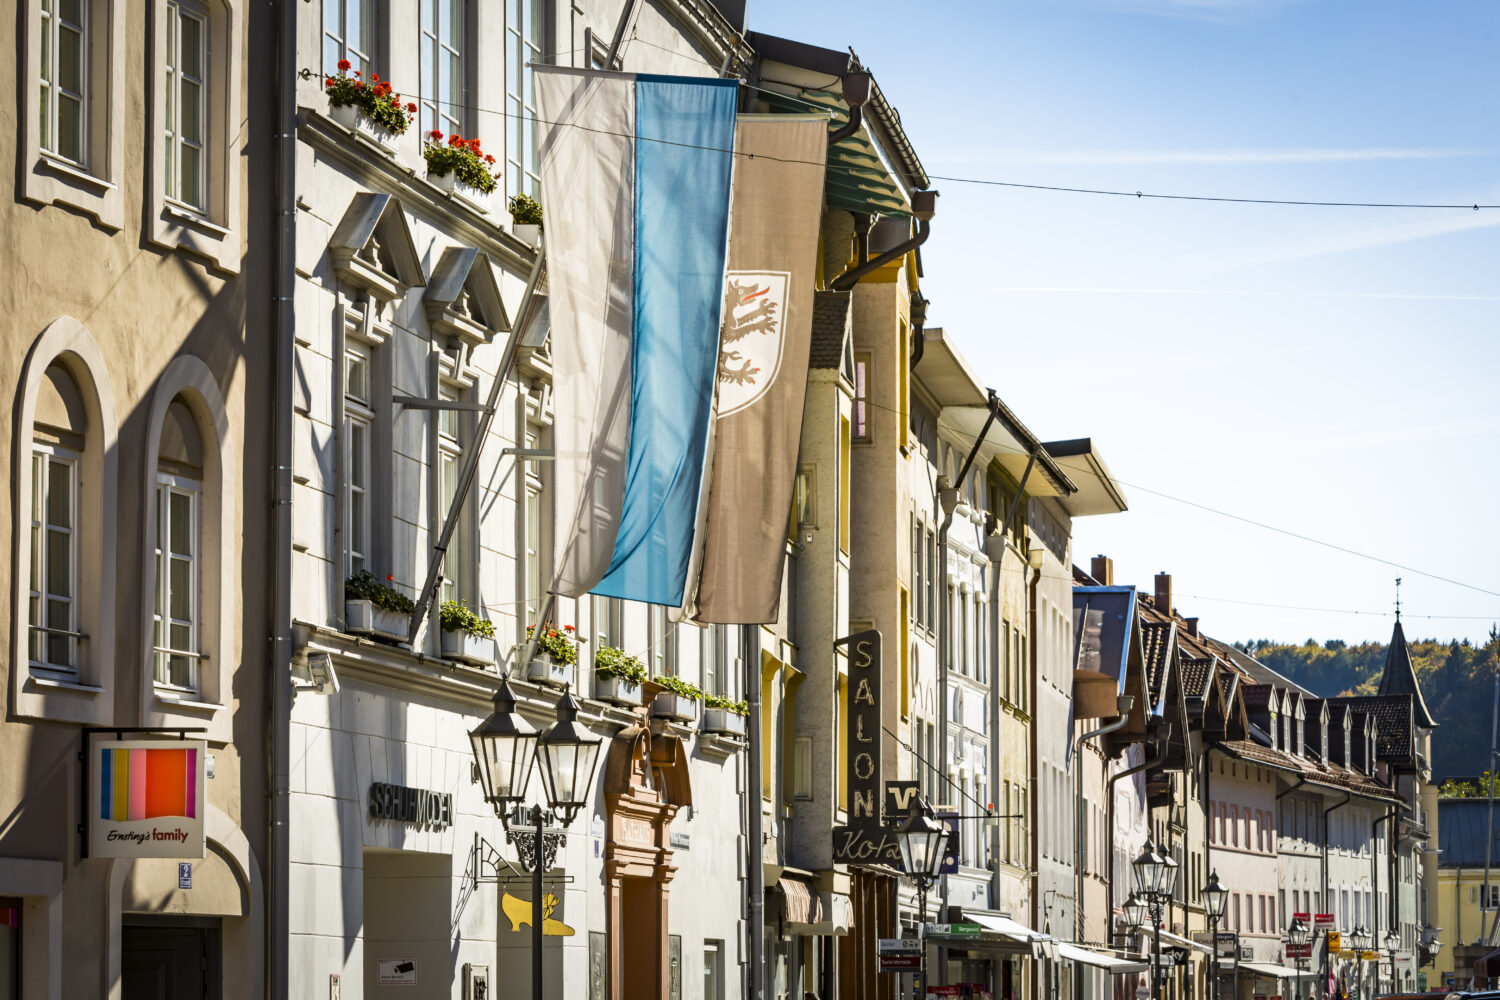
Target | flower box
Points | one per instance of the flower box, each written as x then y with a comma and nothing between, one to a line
543,669
722,720
365,618
670,705
478,650
348,116
473,197
528,233
618,690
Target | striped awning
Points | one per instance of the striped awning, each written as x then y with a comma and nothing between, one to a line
800,904
857,180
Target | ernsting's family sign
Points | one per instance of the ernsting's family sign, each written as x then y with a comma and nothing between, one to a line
864,840
146,799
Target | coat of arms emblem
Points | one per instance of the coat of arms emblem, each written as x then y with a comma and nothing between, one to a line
751,341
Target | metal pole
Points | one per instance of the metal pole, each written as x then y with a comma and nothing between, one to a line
1156,946
922,927
536,906
1213,958
750,641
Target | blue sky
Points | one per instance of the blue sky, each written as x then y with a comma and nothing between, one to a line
1329,371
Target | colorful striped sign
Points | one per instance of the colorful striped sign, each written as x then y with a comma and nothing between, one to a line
145,784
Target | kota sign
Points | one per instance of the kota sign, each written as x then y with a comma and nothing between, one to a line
864,840
146,798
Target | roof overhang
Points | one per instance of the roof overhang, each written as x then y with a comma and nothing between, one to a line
1098,492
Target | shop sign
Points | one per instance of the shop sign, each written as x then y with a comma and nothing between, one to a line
864,840
900,963
898,946
1335,941
1299,950
953,930
396,971
416,806
1322,921
1369,956
146,799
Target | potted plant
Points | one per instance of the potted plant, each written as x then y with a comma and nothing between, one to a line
376,608
372,108
555,654
618,677
466,637
526,218
460,167
677,699
721,715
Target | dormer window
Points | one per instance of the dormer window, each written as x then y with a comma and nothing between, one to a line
1272,729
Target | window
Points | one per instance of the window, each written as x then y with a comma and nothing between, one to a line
918,572
1234,911
1234,826
53,621
1489,896
861,397
186,70
458,559
10,948
844,486
64,57
713,970
523,44
932,570
663,639
443,82
359,418
712,660
349,33
175,619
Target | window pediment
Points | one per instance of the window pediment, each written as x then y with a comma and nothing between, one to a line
372,247
463,298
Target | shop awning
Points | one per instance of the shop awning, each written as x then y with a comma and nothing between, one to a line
1275,971
1006,926
1180,940
1099,960
800,902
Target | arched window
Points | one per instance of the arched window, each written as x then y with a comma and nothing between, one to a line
63,547
178,514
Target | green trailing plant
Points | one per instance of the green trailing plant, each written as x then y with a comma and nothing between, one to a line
456,617
363,586
677,685
460,157
729,704
612,662
375,99
559,642
525,210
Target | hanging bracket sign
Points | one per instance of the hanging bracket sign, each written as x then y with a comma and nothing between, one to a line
864,841
146,798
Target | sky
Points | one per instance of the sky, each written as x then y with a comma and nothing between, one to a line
1325,371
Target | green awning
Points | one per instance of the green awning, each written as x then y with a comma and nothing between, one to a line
857,180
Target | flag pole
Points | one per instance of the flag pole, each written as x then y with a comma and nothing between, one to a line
471,457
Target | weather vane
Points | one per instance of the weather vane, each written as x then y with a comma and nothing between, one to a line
1398,598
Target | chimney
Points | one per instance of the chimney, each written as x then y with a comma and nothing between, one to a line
1192,627
1164,593
1102,568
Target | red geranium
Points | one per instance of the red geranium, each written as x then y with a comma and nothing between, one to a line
344,64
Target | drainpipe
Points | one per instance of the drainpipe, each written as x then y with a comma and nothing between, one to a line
1327,902
1163,742
923,207
1376,936
750,637
918,330
856,91
278,909
1124,703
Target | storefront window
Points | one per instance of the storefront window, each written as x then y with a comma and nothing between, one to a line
10,948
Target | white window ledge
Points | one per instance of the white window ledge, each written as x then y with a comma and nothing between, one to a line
64,685
75,173
186,703
197,220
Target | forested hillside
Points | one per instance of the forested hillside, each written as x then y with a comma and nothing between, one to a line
1457,680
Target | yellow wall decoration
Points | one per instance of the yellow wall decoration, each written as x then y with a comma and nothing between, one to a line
519,912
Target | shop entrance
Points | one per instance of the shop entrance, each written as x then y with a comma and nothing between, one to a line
640,945
407,913
164,958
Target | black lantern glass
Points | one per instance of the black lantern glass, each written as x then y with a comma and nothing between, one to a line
1392,941
1170,871
1215,897
504,750
922,840
1298,933
1149,870
1135,910
569,754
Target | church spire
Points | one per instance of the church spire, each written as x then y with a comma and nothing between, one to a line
1400,676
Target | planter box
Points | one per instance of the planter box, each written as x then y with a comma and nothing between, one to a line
473,197
722,720
348,116
543,669
465,648
617,690
364,618
669,705
528,233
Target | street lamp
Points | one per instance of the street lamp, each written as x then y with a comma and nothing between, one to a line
505,749
1215,898
1299,934
1392,942
1155,881
923,841
1360,939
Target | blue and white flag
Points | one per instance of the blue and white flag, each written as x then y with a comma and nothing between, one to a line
635,174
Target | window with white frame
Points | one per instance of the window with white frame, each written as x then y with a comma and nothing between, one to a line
532,531
1489,896
862,397
53,639
663,638
175,614
523,44
349,33
712,659
359,417
443,82
184,162
449,463
63,118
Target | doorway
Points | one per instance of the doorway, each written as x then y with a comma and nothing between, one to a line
640,947
170,958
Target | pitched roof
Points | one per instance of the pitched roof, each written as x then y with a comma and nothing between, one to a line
1463,827
1155,642
1400,677
1394,733
830,323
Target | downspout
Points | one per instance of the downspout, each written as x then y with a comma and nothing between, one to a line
1124,703
1109,798
918,330
1328,903
855,89
923,207
1375,935
278,909
750,637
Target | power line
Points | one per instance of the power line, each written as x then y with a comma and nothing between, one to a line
984,182
1338,611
